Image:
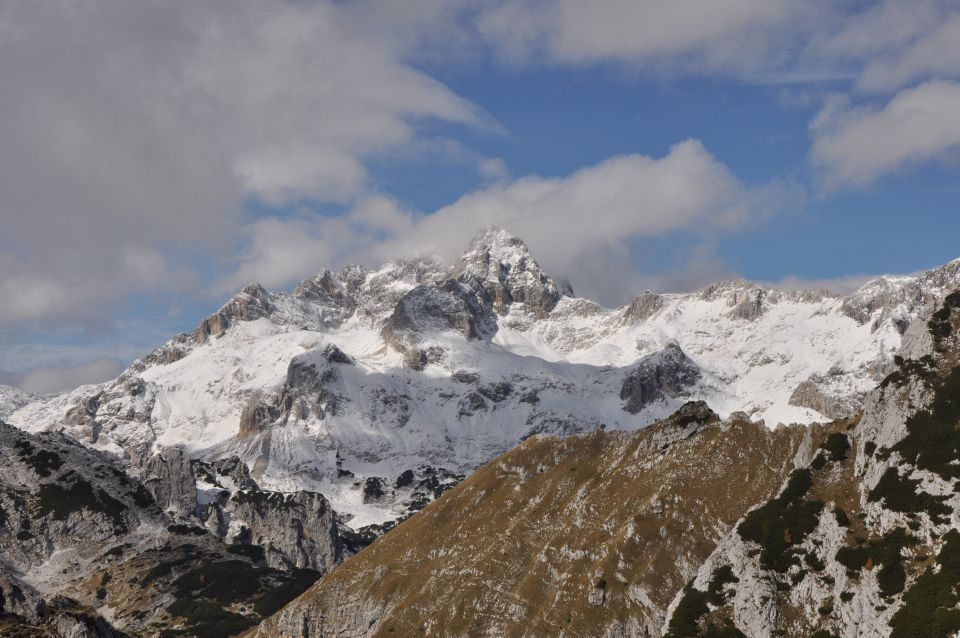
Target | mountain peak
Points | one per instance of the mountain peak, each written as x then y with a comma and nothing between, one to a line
501,265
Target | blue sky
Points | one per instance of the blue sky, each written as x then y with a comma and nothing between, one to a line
160,155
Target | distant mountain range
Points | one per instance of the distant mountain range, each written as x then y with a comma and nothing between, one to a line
376,388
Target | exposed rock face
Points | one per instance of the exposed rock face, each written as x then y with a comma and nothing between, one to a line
20,599
12,399
502,267
253,302
585,535
169,478
864,540
813,394
436,308
296,531
643,307
78,534
668,373
902,298
751,306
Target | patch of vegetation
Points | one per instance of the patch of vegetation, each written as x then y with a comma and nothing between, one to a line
726,631
823,633
924,369
846,596
892,579
276,597
783,522
43,462
869,448
59,501
902,494
819,462
933,439
163,569
837,446
695,603
185,530
206,619
842,519
939,325
253,552
225,581
885,552
814,562
930,606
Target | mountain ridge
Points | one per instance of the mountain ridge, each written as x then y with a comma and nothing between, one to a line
442,368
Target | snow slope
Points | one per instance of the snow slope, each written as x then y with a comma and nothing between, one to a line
357,377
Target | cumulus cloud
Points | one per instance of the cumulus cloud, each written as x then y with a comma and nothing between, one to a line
856,145
133,131
572,223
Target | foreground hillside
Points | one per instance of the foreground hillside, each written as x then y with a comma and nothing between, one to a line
690,528
584,535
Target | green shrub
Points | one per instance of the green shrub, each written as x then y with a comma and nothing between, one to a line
891,579
205,619
276,597
694,604
930,605
837,446
902,494
933,440
783,522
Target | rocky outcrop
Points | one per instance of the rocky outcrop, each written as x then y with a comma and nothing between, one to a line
901,298
20,599
666,374
253,302
86,535
814,395
298,530
643,307
168,476
500,267
863,538
436,308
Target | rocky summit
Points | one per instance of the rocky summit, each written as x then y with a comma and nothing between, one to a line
470,449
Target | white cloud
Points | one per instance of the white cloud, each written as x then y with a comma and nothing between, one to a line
935,54
493,169
854,146
133,131
571,223
722,34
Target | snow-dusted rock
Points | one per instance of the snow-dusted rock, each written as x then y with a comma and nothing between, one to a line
257,380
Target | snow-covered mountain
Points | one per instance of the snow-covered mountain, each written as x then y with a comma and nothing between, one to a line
379,388
12,399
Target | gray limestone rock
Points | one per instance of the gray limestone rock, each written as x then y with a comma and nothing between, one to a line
297,530
169,478
668,373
